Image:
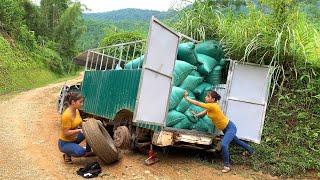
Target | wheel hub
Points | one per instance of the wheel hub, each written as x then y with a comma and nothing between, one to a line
121,137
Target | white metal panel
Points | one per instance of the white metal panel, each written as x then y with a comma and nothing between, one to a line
247,96
153,98
161,50
249,83
247,117
155,83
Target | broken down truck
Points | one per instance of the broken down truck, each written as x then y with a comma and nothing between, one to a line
132,105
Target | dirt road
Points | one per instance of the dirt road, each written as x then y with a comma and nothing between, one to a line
29,131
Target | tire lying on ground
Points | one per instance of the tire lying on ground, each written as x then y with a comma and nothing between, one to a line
100,141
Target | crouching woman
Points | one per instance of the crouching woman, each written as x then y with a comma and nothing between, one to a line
71,134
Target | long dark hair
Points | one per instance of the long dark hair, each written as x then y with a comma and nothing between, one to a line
215,95
73,96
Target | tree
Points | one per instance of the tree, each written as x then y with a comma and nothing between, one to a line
32,16
51,11
116,37
11,17
68,30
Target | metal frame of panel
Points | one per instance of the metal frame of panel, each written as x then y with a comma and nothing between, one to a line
154,20
268,81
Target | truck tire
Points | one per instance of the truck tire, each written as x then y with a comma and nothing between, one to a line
100,141
122,137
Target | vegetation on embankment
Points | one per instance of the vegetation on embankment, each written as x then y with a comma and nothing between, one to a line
37,43
282,34
22,70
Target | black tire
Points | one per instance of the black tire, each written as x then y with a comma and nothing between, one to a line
100,141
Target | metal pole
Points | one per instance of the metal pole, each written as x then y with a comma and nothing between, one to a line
101,59
189,38
117,45
114,55
121,51
134,50
106,67
97,59
88,53
127,53
91,60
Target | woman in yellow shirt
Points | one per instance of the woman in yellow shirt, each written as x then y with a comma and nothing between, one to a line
71,134
214,112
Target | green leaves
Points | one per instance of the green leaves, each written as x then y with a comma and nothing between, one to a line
68,30
11,16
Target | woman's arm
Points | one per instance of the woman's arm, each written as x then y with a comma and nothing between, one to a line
69,132
197,103
201,114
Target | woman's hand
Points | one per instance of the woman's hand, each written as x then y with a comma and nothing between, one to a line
195,114
80,131
186,94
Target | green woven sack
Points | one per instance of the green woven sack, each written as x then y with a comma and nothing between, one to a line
183,124
214,77
201,88
191,116
223,62
184,104
210,127
195,108
210,48
200,126
186,53
176,96
191,82
135,63
174,117
195,73
181,71
207,64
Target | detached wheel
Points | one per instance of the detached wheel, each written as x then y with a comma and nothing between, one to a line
121,137
100,141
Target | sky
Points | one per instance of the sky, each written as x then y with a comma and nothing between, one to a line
110,5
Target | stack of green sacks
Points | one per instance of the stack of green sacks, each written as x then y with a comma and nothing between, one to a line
197,70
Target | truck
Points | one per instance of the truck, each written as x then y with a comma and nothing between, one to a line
132,104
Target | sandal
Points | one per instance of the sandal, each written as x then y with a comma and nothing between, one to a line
225,169
67,159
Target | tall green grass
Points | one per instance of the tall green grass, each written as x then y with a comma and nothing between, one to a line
255,36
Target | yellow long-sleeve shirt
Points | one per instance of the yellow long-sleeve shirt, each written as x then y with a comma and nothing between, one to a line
69,122
216,115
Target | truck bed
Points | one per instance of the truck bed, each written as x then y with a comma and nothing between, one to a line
108,92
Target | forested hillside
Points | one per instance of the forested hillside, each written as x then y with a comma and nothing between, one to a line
37,43
129,14
117,21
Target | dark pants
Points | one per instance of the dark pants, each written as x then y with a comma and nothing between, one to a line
73,148
230,136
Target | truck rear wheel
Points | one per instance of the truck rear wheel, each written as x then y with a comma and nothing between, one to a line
122,137
100,141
